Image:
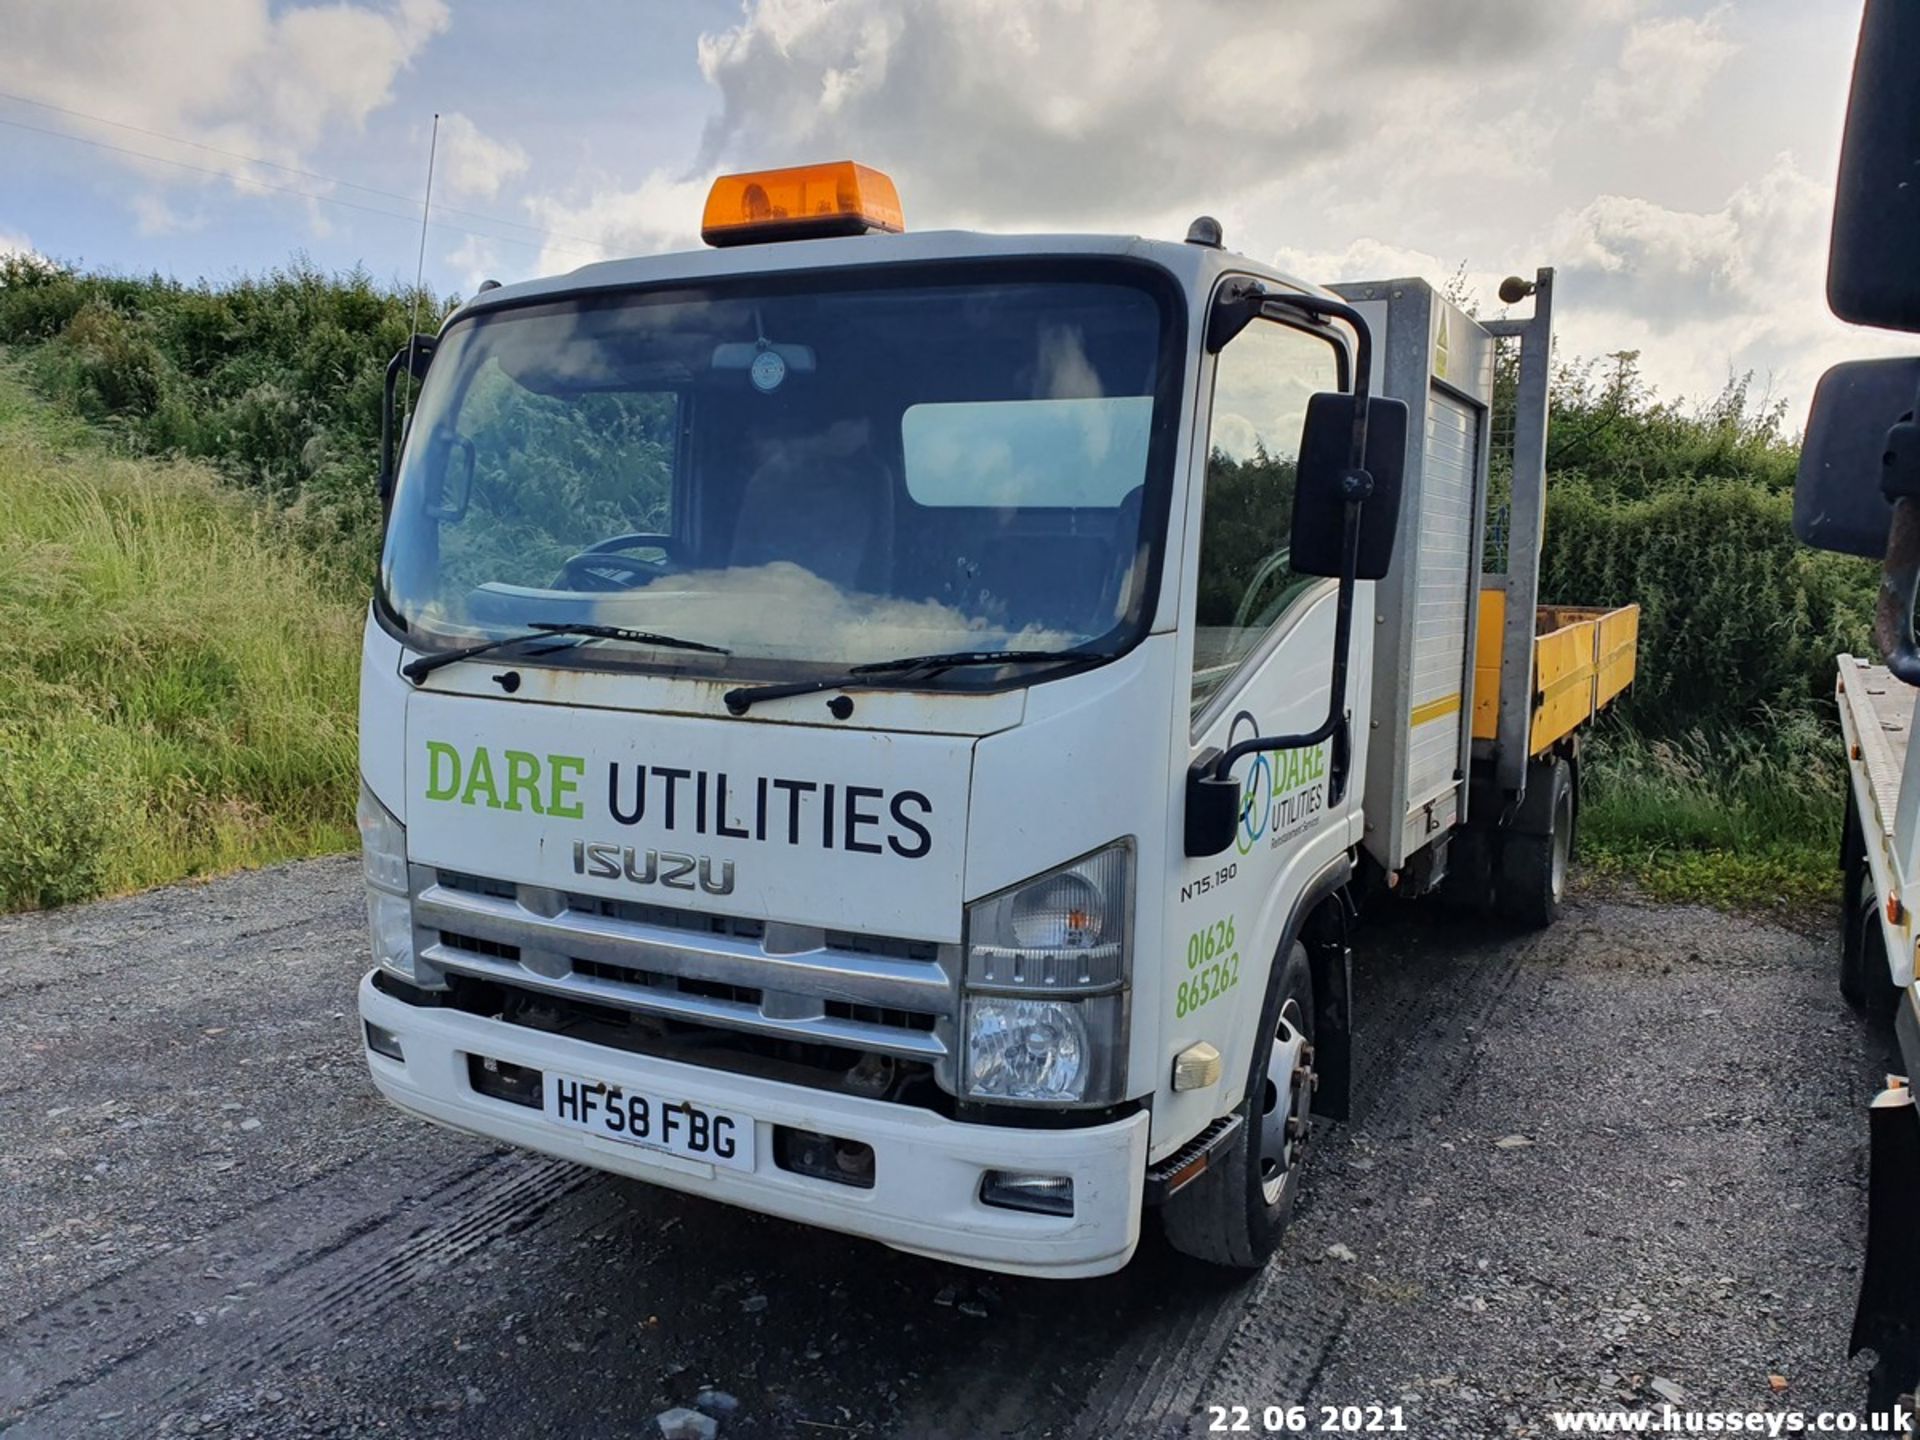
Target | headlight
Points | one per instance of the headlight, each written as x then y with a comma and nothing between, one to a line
383,855
1047,969
390,919
383,844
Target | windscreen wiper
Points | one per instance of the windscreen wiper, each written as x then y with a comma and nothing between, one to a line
417,670
880,674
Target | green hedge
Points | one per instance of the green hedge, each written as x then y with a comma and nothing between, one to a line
1738,619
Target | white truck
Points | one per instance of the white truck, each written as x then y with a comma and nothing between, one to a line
1858,493
888,729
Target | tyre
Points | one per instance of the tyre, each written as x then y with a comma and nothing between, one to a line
1533,868
1859,918
1857,905
1866,973
1235,1214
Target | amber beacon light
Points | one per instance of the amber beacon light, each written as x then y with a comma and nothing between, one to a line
807,200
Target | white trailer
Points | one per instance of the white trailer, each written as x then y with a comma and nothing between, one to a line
887,729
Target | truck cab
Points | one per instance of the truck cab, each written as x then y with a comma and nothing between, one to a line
802,680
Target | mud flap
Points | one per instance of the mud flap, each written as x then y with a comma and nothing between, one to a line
1332,964
1888,1320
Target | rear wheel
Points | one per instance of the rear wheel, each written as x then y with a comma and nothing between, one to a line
1235,1214
1534,868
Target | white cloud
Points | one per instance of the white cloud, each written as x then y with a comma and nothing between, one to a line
15,242
1705,295
1130,116
474,165
1356,141
1071,112
661,213
154,214
1665,67
242,75
474,259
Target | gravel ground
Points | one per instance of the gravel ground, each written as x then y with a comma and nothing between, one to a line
1617,1162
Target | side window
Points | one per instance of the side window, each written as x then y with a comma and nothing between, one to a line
1260,387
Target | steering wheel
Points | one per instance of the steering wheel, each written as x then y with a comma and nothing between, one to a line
602,567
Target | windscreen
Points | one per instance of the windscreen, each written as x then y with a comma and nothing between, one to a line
801,474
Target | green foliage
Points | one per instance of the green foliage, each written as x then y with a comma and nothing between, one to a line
1612,431
274,380
1741,819
58,807
181,674
1720,779
1244,579
1738,619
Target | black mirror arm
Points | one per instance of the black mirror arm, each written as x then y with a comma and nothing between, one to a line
413,359
394,366
1900,568
1899,588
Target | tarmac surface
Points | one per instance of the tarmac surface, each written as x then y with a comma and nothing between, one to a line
1610,1165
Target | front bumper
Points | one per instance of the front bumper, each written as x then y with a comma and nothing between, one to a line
927,1169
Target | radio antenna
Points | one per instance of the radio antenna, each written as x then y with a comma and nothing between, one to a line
419,273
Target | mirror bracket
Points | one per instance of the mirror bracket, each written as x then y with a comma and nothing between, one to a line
412,359
1900,465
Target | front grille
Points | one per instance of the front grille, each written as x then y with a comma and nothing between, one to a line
880,996
474,945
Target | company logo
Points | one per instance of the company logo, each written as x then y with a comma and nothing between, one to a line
671,868
1285,791
685,800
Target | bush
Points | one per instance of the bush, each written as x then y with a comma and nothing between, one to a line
58,810
276,380
1739,621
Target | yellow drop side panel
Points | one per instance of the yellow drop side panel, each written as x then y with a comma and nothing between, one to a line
1583,657
1619,647
1486,664
1563,671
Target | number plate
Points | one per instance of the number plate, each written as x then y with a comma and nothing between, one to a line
675,1126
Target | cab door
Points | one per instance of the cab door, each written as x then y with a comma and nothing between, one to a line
1256,647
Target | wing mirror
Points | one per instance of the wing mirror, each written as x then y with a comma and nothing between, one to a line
1871,277
1858,488
1839,499
1321,486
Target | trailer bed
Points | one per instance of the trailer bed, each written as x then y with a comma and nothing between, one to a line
1876,712
1583,657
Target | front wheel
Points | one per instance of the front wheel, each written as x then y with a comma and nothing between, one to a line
1235,1214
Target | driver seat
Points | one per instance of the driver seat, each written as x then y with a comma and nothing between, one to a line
827,514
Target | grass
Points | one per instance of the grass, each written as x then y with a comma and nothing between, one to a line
1738,821
180,683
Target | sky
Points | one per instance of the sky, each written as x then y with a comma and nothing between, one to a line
1672,159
